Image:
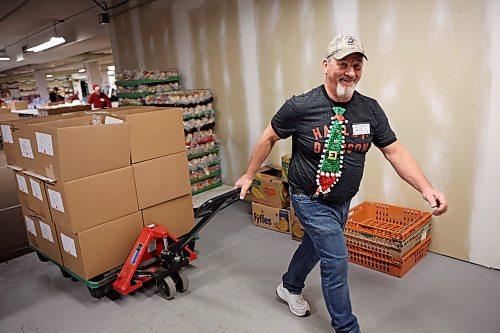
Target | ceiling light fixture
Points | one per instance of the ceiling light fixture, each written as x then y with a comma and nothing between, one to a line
53,41
49,75
3,55
81,70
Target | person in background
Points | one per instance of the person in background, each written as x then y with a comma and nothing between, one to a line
332,127
71,97
54,96
98,99
113,97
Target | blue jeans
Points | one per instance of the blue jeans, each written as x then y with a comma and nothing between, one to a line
323,241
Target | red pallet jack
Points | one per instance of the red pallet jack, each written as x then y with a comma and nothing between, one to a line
159,256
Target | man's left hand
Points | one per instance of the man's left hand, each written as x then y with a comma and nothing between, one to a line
436,200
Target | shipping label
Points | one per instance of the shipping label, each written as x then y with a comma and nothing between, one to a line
44,143
46,232
6,134
55,200
68,245
26,150
30,225
112,120
36,189
21,183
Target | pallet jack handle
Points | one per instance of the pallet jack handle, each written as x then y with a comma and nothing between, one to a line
205,213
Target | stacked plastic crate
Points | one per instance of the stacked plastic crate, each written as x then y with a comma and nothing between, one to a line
389,239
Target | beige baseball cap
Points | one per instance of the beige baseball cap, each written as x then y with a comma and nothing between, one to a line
343,45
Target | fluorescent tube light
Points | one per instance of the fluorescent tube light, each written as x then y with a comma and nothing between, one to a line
53,41
49,75
81,70
3,56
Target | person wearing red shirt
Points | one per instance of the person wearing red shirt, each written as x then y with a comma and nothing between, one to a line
98,99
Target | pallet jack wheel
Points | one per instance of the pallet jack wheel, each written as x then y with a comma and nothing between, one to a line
98,292
41,257
65,274
181,281
167,288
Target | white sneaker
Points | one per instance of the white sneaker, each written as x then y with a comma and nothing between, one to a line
297,304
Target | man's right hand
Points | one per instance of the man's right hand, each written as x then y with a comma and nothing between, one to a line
244,183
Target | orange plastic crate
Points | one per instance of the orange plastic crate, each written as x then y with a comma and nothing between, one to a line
386,221
387,246
384,263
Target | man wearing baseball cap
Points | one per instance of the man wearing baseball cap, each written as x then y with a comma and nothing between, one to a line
332,127
98,99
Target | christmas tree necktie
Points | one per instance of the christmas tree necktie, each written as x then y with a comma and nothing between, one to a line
329,168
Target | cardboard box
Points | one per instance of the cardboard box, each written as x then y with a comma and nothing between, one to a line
31,231
42,235
161,179
88,202
37,199
16,135
153,132
176,215
20,105
272,218
285,165
8,116
31,193
22,182
8,188
99,249
13,240
69,149
296,228
4,110
268,188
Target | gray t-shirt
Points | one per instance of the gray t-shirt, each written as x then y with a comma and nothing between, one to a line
307,117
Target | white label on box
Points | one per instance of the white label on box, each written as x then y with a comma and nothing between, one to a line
112,120
55,199
6,134
44,143
152,246
46,232
36,189
25,146
21,183
30,225
68,245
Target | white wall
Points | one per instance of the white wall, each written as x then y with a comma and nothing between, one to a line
432,66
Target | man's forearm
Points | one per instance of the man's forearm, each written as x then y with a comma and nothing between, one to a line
261,151
407,167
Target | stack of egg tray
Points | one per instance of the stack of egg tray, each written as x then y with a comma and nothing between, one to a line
386,238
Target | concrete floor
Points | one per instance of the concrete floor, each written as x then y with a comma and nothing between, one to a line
232,290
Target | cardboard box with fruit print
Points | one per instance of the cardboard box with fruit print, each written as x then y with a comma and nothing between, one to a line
272,218
269,189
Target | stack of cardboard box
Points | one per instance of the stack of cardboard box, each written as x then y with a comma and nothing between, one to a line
270,200
85,185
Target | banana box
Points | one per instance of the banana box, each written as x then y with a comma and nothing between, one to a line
285,164
272,218
296,228
269,189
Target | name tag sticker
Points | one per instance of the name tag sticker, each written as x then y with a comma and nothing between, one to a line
360,129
